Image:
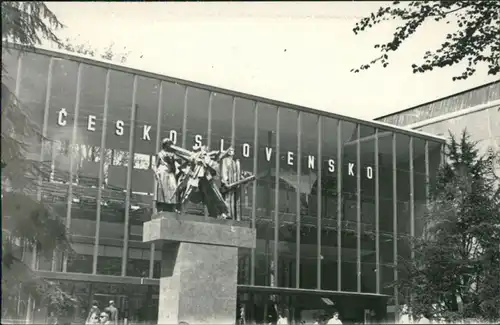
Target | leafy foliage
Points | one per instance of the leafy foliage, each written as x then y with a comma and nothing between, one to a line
455,272
476,39
109,53
28,23
26,222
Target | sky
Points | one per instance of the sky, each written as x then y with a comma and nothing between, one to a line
296,52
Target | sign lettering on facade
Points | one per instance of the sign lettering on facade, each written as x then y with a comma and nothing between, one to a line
198,141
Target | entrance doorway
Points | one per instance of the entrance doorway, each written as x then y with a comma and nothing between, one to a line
121,302
262,305
134,308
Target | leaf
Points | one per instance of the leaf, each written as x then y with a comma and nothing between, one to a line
475,35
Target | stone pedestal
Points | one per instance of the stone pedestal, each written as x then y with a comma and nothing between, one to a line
199,266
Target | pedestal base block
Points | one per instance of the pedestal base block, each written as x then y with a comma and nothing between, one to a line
198,282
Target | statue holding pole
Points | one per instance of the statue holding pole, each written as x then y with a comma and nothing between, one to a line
166,182
195,180
232,181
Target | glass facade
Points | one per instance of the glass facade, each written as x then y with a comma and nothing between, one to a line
333,203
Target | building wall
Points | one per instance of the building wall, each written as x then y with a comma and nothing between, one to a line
452,104
315,173
482,125
477,111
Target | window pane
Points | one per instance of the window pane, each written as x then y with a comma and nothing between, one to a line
142,175
10,60
87,157
419,181
288,186
222,111
308,176
196,132
368,257
172,112
329,204
386,211
58,150
197,117
172,116
265,193
244,130
32,94
117,156
349,200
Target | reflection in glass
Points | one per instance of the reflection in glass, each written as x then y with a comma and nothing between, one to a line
404,226
118,128
31,92
266,157
172,117
11,60
349,206
81,260
221,126
142,176
386,211
244,130
309,201
367,200
435,151
197,118
32,85
288,186
328,204
419,183
196,132
172,111
87,155
60,130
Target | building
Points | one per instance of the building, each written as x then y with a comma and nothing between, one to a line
334,201
476,109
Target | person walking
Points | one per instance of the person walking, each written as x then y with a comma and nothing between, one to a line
93,316
113,312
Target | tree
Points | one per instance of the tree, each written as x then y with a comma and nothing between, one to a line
455,272
109,53
26,221
476,39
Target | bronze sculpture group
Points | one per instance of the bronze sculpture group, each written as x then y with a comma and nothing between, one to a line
213,178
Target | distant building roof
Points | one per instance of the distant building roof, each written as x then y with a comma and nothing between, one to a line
469,98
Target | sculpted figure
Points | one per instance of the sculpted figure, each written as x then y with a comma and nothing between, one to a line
165,197
232,180
197,180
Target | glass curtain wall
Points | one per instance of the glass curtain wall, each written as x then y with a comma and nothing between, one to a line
334,202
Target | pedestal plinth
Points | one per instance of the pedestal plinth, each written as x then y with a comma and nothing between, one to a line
198,280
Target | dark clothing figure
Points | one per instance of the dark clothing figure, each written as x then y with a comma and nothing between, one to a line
197,183
93,316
